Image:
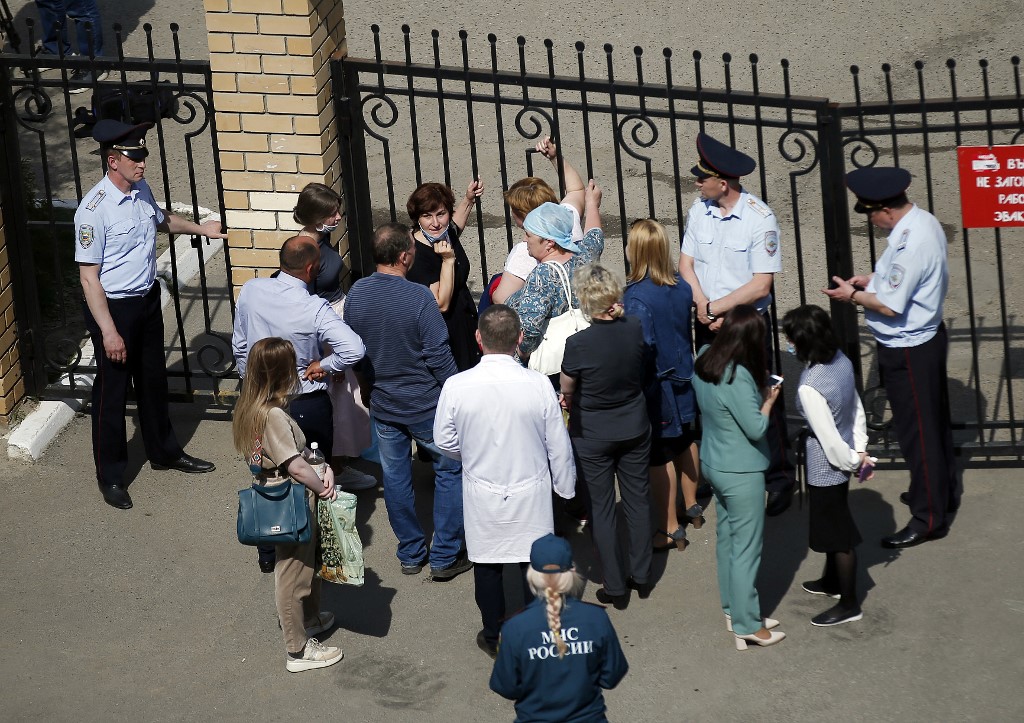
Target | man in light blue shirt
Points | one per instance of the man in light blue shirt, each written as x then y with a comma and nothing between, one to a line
283,307
902,303
115,247
730,255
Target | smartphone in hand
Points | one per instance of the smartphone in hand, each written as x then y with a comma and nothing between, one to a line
776,380
867,468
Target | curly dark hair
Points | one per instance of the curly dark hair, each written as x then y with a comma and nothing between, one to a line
809,327
428,197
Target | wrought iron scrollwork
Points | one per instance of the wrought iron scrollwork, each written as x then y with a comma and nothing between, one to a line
35,103
639,125
529,114
375,114
795,145
214,356
859,143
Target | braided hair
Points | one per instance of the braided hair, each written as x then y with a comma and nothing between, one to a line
552,588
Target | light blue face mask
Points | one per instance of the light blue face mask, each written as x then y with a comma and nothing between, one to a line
433,239
790,349
328,228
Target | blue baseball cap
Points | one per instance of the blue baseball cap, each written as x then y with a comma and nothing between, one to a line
551,554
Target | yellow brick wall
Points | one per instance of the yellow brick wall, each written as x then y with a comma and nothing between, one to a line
275,119
12,383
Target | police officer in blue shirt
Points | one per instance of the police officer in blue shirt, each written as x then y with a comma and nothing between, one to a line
730,255
115,247
558,653
902,303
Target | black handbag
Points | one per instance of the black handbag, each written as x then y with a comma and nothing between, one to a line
274,515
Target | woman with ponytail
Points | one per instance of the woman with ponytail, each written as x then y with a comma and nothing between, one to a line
557,654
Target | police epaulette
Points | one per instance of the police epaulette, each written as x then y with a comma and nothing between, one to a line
95,200
760,208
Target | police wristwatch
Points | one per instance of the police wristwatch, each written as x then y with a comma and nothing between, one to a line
711,317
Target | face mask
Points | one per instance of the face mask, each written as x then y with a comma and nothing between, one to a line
790,349
328,228
433,239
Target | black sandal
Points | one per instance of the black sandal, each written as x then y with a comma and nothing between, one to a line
678,538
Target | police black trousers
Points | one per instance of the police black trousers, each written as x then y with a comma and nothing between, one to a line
489,588
140,323
315,416
599,463
915,382
780,474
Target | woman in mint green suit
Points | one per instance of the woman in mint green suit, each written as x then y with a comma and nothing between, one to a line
731,383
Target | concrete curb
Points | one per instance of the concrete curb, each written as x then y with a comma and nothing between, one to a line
33,435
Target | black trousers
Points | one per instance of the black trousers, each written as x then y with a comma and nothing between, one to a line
489,584
915,382
140,323
781,473
599,463
315,416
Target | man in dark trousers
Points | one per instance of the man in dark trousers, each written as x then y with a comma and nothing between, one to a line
115,247
730,255
902,303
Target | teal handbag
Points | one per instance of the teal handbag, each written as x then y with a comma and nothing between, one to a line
274,515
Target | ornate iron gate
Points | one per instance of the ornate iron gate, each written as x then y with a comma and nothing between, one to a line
48,160
408,121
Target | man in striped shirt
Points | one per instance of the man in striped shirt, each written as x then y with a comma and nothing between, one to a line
407,361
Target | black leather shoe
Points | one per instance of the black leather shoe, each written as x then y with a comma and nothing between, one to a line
116,496
189,464
643,589
267,562
779,501
905,498
491,650
619,602
909,538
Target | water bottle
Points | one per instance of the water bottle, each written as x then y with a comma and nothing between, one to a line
317,460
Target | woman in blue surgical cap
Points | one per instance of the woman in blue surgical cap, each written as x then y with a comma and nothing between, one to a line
548,231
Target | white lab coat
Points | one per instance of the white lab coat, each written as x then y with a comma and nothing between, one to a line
504,423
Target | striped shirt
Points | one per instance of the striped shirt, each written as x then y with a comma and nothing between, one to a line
408,357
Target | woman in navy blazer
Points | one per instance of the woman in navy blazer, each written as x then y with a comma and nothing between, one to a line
735,401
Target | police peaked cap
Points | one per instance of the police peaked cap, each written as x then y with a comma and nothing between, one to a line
877,187
720,160
127,139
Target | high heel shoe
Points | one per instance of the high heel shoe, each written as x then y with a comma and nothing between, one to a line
678,538
767,623
696,516
743,640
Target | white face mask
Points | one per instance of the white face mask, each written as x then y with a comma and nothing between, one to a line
328,228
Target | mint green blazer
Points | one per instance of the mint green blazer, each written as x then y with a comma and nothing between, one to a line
734,429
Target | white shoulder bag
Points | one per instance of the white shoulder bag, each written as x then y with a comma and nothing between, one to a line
547,358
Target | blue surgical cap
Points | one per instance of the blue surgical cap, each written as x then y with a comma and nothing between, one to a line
551,221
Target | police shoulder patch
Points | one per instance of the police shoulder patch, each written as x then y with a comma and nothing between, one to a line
759,207
896,275
96,200
85,236
771,243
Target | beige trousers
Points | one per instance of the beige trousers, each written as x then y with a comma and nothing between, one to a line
296,587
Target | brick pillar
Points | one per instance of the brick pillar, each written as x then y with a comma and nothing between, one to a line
12,383
275,116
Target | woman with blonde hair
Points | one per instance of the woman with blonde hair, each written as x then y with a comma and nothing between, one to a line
274,446
527,194
604,372
558,653
661,300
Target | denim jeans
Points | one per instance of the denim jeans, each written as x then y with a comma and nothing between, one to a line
394,441
52,12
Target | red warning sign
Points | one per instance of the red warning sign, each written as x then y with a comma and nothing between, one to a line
991,185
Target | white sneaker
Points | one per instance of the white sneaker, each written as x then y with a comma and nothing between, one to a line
352,480
325,621
315,655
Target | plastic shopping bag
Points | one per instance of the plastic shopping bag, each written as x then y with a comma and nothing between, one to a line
342,549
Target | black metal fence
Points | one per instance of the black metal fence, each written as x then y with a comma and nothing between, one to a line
417,119
48,160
